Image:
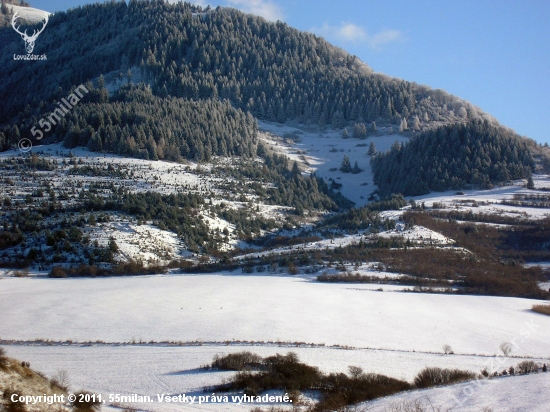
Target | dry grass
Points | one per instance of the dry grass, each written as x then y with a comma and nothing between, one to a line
544,309
16,378
417,405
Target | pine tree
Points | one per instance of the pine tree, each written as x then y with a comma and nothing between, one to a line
359,130
295,170
372,149
373,127
530,182
346,165
403,126
416,123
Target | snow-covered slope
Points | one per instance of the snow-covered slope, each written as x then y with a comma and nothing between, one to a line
21,380
323,152
490,201
530,393
29,14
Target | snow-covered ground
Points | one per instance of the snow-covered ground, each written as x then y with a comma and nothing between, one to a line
228,306
419,235
489,201
29,14
156,370
530,393
139,242
77,170
387,332
320,152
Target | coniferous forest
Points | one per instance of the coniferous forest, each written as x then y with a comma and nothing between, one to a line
452,157
268,69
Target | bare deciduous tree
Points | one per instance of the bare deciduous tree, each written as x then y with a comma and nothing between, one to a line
506,348
355,371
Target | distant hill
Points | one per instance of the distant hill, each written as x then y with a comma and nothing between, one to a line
271,69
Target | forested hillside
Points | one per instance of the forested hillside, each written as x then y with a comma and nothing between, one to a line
182,129
188,59
451,157
269,69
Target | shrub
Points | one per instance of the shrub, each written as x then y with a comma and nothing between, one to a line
339,390
9,405
288,373
433,376
237,362
526,367
448,350
417,405
58,272
544,309
60,380
273,372
3,358
86,402
506,348
355,371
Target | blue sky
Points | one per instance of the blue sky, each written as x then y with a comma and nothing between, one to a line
494,53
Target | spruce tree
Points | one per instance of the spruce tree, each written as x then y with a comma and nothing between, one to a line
372,149
346,165
530,182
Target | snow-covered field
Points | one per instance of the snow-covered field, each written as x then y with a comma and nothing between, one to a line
226,306
388,332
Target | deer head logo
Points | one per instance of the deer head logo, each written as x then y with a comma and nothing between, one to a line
29,40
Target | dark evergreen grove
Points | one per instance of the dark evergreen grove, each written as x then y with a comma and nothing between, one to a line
137,123
452,157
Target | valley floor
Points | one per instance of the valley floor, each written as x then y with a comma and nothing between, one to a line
390,332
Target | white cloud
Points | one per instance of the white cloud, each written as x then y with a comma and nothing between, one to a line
265,8
352,33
